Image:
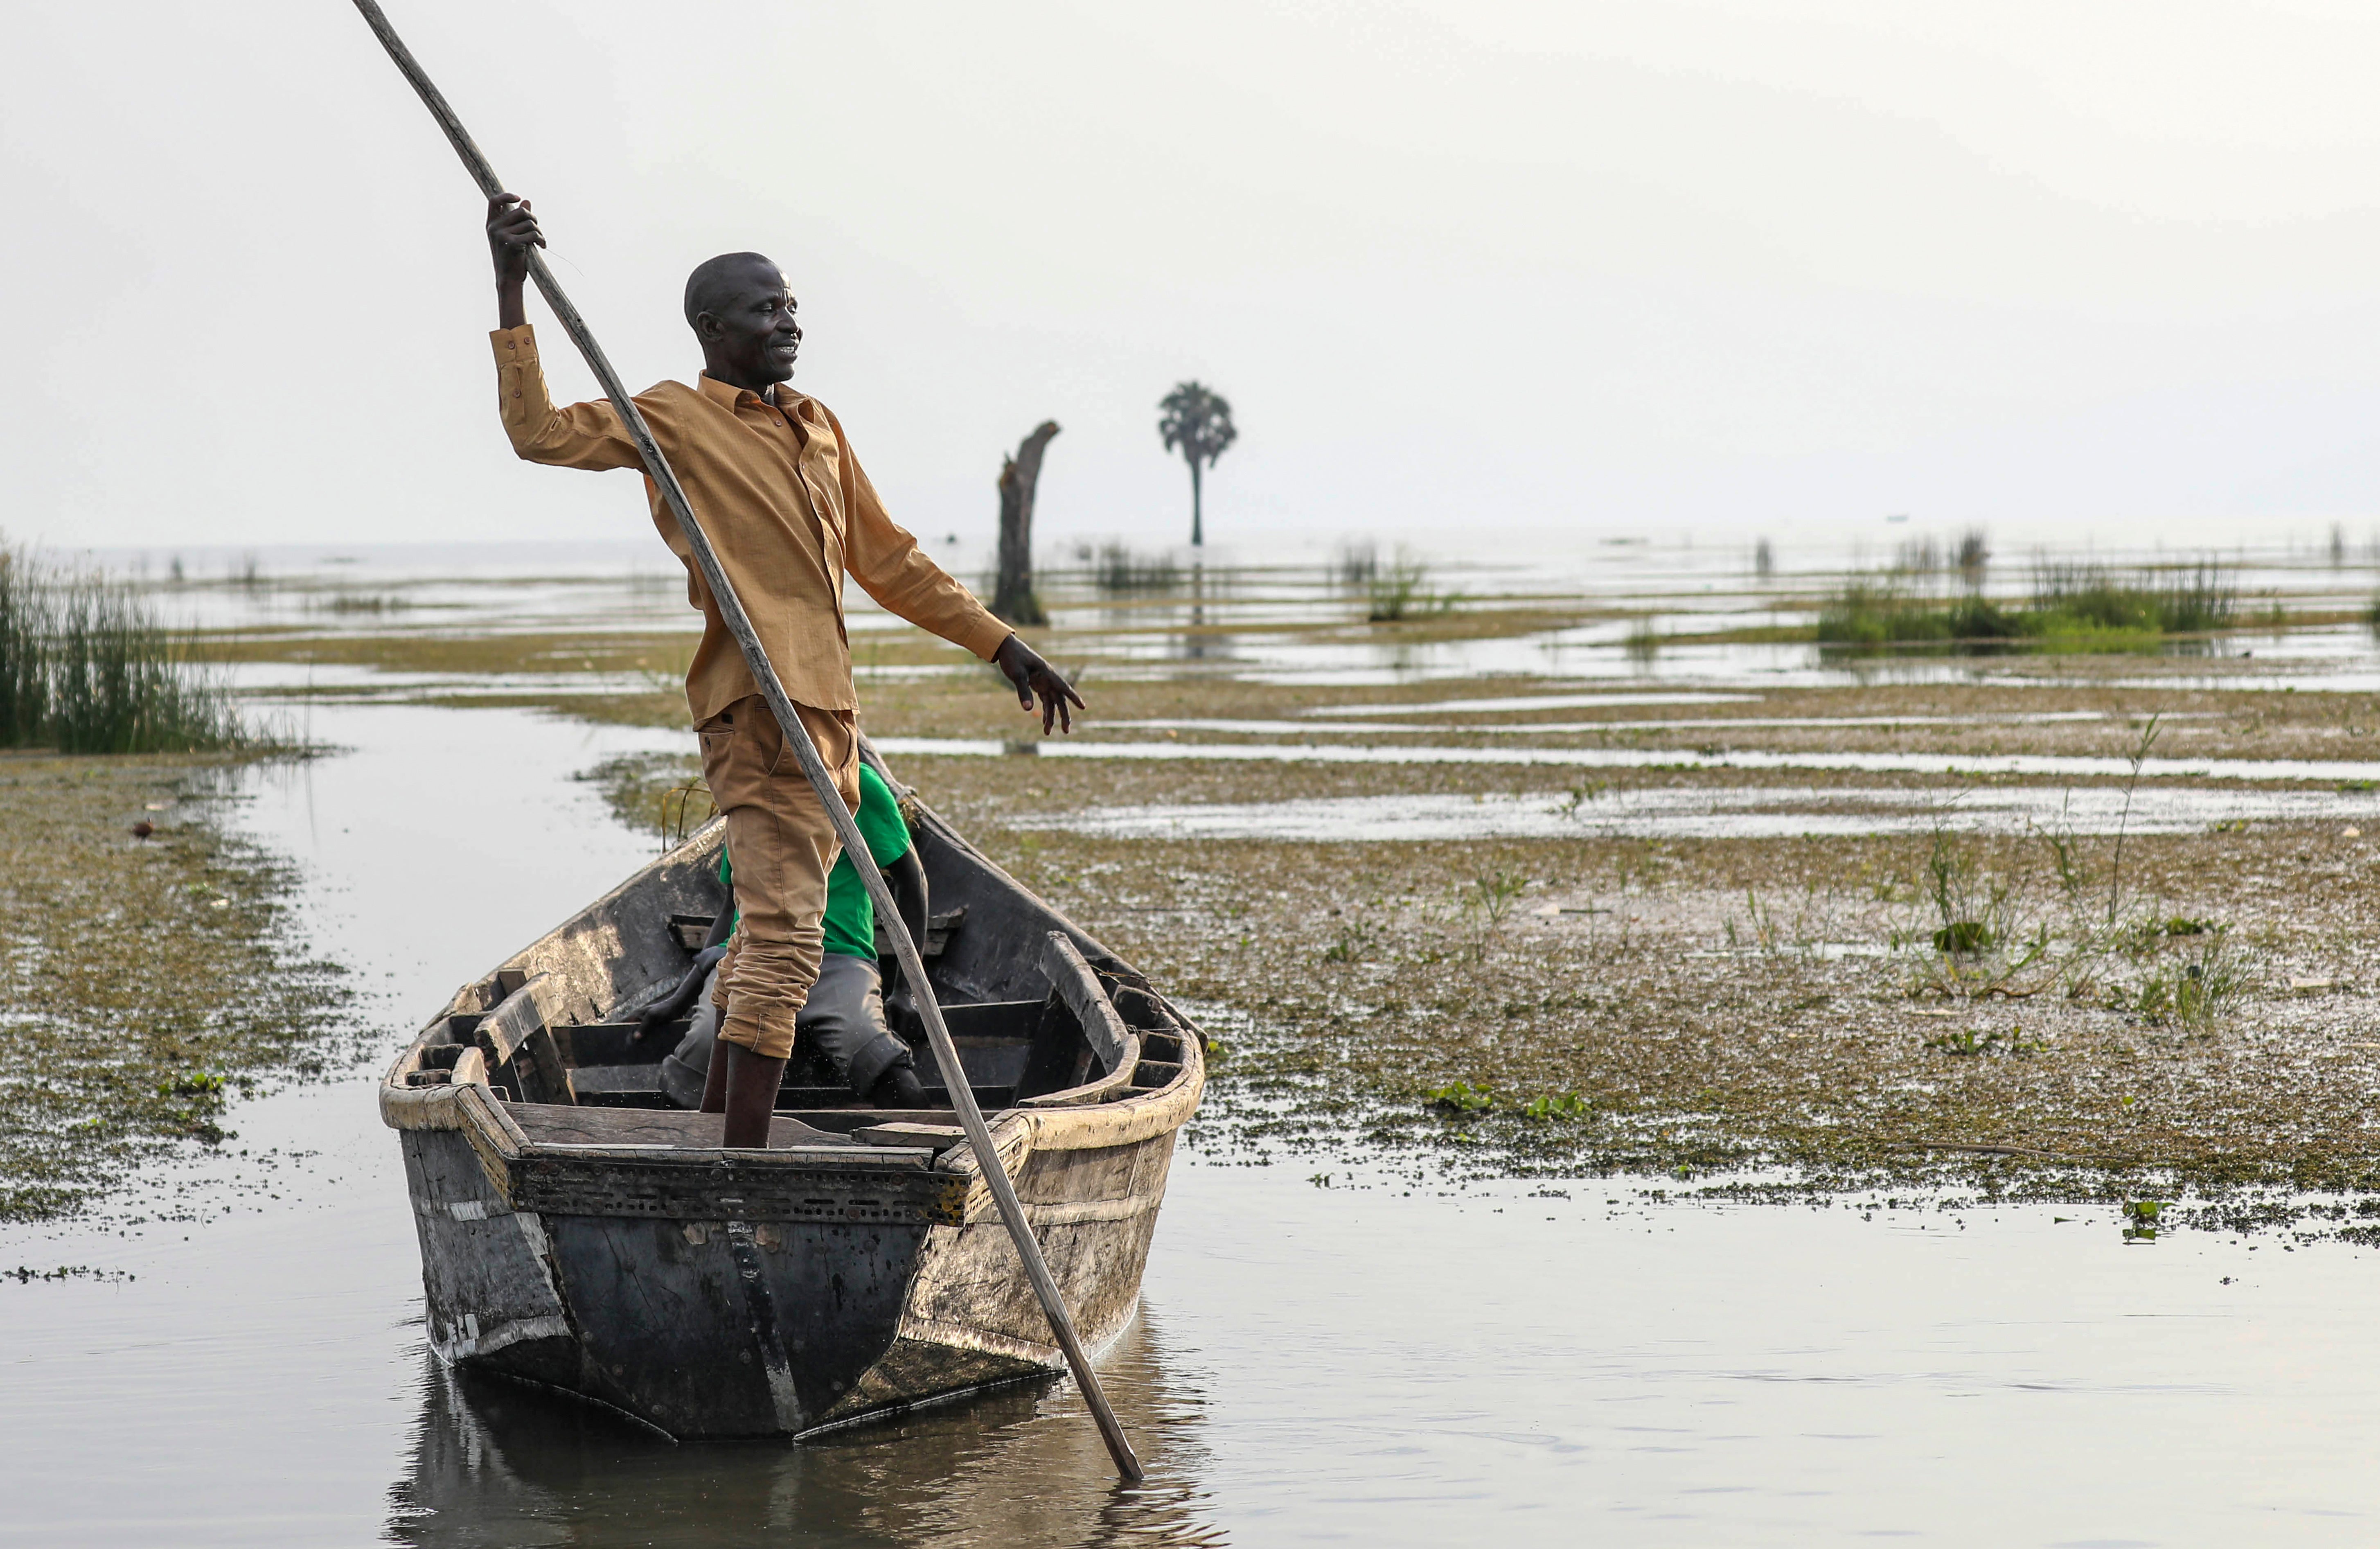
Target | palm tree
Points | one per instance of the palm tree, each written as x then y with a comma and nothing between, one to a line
1198,422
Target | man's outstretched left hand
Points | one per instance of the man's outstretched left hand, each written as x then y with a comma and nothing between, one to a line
1033,675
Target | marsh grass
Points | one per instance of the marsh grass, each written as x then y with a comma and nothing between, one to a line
2078,597
661,794
1355,565
1873,611
347,600
1978,931
2073,605
87,667
1116,568
1401,589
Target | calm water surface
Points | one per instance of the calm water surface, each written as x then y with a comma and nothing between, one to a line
1328,1352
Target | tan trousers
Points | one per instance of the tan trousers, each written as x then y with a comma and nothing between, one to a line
781,846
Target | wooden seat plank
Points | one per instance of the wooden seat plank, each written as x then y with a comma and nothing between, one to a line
553,1124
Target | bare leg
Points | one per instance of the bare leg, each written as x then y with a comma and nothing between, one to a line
752,1096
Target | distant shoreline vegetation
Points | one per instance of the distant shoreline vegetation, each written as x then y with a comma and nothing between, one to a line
87,667
2073,605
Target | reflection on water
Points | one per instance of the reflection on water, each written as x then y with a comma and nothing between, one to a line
498,1464
1283,614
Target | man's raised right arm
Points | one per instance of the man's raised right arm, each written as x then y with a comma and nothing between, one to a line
583,435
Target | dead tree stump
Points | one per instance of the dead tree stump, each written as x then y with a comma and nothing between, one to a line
1013,599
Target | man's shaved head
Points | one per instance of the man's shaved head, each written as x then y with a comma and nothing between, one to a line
739,306
716,282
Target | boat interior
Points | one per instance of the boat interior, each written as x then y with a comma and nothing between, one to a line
1042,1015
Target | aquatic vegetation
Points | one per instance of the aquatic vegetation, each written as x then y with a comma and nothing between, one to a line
147,982
1348,979
1355,940
2196,992
87,667
346,600
662,793
2074,605
1580,794
1401,589
1494,894
1355,565
1873,612
1461,1097
1972,555
1117,568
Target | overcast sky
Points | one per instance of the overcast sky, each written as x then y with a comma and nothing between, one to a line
1717,267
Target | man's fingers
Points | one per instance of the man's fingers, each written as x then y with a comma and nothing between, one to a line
1023,682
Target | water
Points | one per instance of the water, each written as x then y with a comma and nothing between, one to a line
1276,616
2054,766
1713,812
1332,1349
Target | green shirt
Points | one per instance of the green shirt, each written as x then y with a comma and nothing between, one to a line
850,914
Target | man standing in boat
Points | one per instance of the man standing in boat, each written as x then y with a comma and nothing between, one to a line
773,480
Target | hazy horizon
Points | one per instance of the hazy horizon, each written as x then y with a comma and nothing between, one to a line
1726,268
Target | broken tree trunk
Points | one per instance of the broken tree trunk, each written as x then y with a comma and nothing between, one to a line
1013,600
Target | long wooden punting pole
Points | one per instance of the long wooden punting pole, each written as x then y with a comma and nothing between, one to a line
797,736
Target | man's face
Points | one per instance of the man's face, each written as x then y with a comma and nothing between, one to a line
750,330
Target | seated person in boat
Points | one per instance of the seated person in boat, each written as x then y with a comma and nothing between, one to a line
773,481
843,1017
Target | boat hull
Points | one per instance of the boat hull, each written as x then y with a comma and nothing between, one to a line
720,1326
855,1267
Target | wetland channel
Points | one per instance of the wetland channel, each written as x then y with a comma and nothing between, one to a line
1363,1321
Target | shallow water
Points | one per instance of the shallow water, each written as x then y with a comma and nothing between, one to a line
2053,765
1279,616
1380,1360
1715,812
1333,1349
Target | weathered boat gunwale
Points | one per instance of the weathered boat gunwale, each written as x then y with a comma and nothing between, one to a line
953,1324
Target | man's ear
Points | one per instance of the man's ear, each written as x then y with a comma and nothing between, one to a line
706,327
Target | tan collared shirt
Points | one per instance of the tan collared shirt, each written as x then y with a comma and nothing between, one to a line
787,507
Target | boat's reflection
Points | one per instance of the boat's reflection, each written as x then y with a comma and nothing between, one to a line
497,1464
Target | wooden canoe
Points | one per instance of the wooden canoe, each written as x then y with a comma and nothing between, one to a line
581,1230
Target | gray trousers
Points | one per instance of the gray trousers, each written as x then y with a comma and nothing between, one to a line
842,1018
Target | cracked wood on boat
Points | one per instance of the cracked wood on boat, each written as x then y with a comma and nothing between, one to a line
855,1268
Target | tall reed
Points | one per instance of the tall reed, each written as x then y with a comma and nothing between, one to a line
24,678
1120,570
86,667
